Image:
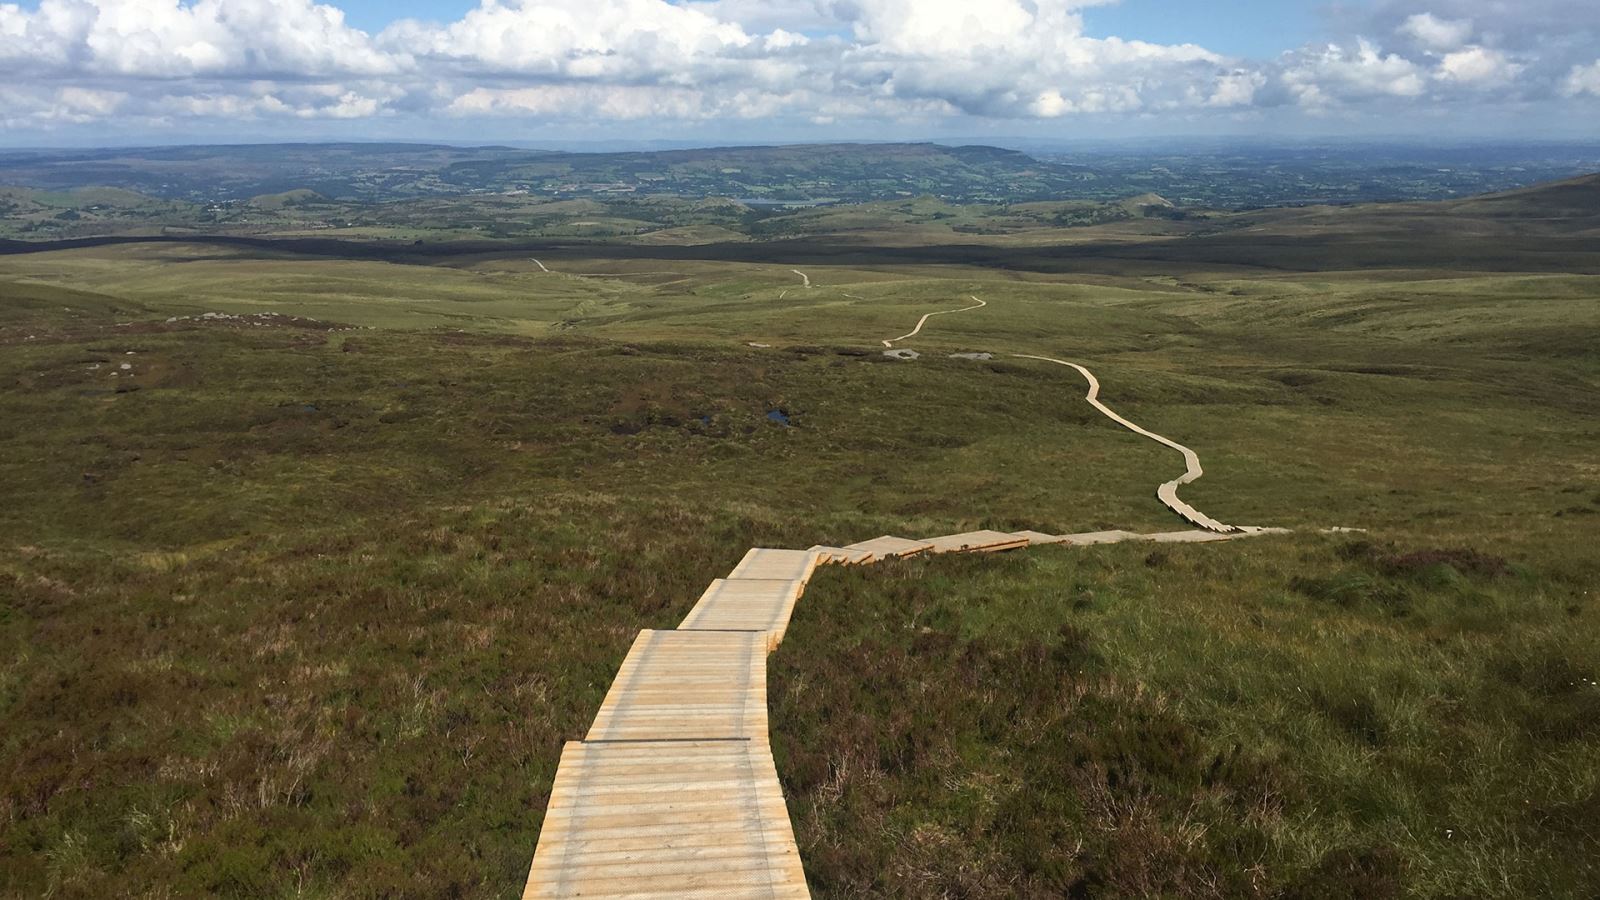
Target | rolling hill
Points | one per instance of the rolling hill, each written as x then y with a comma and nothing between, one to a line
381,172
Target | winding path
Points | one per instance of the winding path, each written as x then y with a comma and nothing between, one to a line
1168,492
924,320
673,792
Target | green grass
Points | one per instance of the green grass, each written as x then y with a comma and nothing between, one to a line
1286,717
294,610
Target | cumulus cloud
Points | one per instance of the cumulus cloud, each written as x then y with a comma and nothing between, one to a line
768,15
1009,58
169,39
1477,65
580,39
1020,58
1435,33
1583,80
1458,60
69,61
1321,76
66,105
1237,88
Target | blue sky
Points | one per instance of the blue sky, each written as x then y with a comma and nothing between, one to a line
375,15
525,71
1256,28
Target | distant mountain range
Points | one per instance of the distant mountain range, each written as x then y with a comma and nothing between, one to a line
798,174
377,172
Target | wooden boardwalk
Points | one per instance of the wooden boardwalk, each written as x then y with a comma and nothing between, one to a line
978,304
673,793
788,565
680,685
976,542
747,604
1167,493
666,819
890,547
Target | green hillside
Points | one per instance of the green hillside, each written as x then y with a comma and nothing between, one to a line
314,550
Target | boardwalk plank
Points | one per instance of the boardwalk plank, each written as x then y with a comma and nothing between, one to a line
688,684
975,541
889,546
787,565
714,807
840,556
1102,537
756,604
1039,537
1195,536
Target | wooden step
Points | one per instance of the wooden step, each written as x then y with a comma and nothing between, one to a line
889,547
840,556
976,541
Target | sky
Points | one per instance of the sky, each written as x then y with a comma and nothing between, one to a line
115,72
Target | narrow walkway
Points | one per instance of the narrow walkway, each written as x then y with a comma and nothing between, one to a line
1167,492
924,320
673,792
755,604
666,819
682,685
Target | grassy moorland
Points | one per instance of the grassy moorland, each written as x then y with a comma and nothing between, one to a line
305,604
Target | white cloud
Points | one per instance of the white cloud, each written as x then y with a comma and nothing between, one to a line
580,39
780,39
561,100
169,39
929,28
1236,88
1583,80
696,60
1005,58
1435,33
1009,58
1477,65
1318,77
21,107
767,15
